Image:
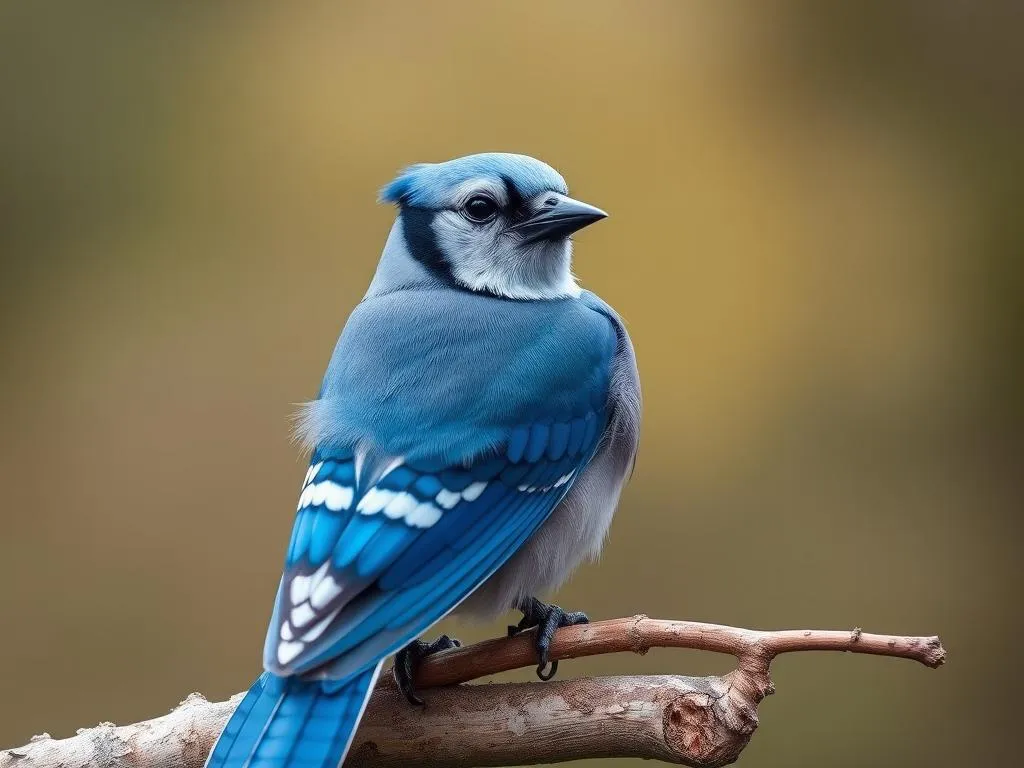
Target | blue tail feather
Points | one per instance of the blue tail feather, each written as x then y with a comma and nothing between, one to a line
293,723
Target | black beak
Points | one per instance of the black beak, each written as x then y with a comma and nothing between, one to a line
558,217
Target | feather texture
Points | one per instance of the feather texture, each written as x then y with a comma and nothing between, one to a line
292,723
429,184
425,377
369,577
469,442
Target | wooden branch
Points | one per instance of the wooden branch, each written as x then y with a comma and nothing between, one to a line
753,648
705,721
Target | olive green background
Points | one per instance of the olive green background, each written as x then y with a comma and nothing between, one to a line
815,238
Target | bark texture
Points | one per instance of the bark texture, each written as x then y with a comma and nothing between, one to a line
696,721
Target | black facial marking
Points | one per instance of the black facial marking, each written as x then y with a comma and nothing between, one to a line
422,242
516,208
515,200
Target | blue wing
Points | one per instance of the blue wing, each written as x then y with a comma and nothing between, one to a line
369,569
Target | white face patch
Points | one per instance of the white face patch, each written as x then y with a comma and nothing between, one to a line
486,257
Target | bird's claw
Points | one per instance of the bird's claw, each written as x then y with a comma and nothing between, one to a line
547,619
408,660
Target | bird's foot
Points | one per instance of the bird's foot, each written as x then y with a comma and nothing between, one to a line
546,618
408,660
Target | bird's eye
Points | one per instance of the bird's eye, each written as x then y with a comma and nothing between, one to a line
480,208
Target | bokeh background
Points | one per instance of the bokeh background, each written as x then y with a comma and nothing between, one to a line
816,239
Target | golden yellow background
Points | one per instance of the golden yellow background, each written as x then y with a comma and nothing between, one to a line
815,239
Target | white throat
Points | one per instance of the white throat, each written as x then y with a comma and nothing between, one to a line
502,266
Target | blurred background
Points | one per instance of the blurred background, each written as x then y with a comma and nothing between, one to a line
816,240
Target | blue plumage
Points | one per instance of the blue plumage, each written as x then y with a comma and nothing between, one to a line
428,185
415,533
291,723
481,369
455,420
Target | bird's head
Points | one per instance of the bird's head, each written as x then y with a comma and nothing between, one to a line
494,223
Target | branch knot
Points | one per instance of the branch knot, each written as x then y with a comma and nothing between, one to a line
638,646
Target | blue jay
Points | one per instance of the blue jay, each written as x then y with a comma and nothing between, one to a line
475,427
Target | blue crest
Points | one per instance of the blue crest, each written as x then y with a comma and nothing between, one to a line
427,185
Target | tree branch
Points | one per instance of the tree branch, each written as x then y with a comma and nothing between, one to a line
704,721
639,634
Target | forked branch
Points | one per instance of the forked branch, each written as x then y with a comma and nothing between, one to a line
704,721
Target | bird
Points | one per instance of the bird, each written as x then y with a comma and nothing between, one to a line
476,424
